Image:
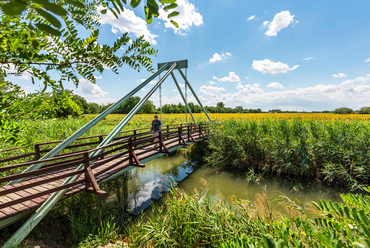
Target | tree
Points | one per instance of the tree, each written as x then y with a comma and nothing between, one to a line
239,109
33,40
343,110
39,37
82,103
364,110
94,108
220,105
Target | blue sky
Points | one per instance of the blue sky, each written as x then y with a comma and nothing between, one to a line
292,55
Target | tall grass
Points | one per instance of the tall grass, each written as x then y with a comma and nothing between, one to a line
333,151
199,221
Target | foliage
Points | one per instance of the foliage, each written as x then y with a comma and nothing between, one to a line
334,151
343,110
34,41
199,221
364,110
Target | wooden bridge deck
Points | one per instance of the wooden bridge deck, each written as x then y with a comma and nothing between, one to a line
22,198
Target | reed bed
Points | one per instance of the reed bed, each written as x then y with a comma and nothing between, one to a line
335,151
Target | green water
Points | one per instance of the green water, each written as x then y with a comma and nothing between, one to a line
159,174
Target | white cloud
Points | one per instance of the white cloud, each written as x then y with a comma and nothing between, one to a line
280,21
13,72
128,22
353,93
231,78
90,89
267,66
188,17
368,60
98,77
255,88
211,82
275,85
339,75
309,58
218,57
208,90
251,18
265,23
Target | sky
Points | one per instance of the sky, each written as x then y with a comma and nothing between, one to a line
268,54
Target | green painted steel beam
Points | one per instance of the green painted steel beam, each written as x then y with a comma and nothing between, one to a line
89,125
195,95
183,98
40,213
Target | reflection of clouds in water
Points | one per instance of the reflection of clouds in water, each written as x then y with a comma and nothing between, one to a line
156,177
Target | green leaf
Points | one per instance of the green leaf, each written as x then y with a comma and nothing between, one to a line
103,11
77,4
173,14
148,16
175,23
56,9
358,245
134,3
167,1
48,29
14,7
171,6
269,241
50,18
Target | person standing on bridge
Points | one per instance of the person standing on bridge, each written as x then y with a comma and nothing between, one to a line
156,128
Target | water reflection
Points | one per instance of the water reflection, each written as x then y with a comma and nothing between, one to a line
155,178
149,183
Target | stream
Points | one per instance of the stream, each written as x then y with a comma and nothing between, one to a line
150,182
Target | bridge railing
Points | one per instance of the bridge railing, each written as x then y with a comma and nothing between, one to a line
50,177
39,149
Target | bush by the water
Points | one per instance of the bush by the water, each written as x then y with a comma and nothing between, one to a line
199,221
334,151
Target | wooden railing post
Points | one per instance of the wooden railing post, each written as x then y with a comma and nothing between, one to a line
86,166
160,141
37,151
200,130
91,185
188,133
130,150
179,134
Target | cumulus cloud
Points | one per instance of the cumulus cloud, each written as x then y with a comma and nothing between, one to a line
339,75
188,17
353,93
208,90
275,85
368,60
255,88
309,58
218,57
251,18
270,67
211,82
231,78
91,90
280,21
128,22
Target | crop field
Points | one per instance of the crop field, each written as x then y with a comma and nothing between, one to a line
44,130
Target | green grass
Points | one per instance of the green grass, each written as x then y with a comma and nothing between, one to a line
337,152
199,221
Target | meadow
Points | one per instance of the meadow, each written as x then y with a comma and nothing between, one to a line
328,147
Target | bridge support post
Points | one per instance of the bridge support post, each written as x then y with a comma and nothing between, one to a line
91,185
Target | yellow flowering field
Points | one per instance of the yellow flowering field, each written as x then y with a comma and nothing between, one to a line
142,119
